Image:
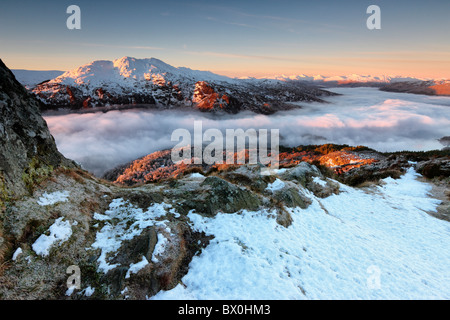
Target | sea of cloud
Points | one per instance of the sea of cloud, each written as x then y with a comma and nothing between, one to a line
360,116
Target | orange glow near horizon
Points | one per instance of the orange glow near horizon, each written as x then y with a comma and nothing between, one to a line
377,67
433,66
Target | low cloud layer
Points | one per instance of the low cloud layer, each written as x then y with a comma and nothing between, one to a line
361,116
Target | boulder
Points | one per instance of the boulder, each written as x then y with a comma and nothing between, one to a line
301,173
439,167
220,195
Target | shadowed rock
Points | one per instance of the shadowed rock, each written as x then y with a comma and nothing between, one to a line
27,149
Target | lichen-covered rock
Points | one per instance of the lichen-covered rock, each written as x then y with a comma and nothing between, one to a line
301,173
248,175
165,272
28,153
91,214
27,149
222,196
323,188
288,194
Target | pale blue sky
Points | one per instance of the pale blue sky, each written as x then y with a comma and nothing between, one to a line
235,38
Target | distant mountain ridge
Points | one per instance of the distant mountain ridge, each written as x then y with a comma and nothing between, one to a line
31,78
342,79
153,82
390,83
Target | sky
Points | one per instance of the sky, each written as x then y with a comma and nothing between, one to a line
233,38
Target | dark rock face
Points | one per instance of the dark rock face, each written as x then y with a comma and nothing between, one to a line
434,168
27,149
73,98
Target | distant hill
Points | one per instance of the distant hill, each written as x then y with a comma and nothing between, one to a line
31,78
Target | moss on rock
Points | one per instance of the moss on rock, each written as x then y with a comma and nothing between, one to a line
4,197
35,174
226,197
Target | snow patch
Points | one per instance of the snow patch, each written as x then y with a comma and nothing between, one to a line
319,181
48,199
276,185
123,221
197,175
17,253
60,231
136,267
160,247
70,291
89,291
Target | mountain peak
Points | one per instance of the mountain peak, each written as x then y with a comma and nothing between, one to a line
121,71
132,62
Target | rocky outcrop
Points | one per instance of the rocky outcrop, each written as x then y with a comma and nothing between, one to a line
434,168
109,232
28,154
27,149
207,99
159,166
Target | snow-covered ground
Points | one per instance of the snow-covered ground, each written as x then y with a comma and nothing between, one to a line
384,121
376,243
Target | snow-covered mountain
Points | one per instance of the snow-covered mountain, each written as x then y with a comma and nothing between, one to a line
352,78
126,71
151,81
